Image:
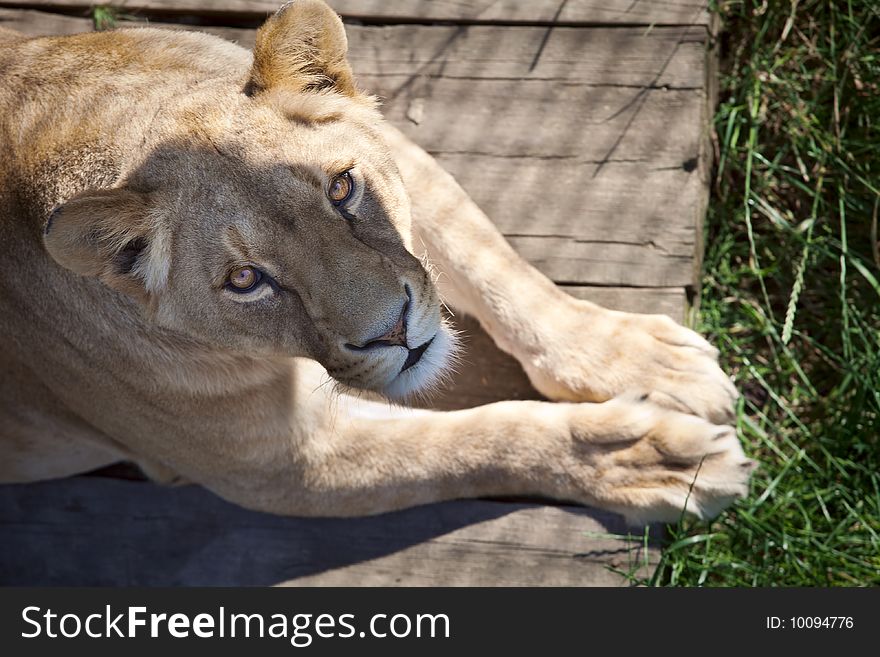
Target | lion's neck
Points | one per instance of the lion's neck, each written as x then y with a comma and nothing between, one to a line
177,363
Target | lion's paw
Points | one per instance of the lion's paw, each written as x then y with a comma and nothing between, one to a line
662,463
625,353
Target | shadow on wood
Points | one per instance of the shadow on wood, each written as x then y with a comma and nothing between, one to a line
105,532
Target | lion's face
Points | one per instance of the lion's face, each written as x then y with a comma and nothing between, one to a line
291,238
270,221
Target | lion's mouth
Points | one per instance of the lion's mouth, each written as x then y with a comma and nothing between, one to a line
415,355
425,366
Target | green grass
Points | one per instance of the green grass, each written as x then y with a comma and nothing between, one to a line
104,17
107,17
791,297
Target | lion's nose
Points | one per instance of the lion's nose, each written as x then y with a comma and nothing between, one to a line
395,336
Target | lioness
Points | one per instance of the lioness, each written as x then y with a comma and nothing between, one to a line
194,236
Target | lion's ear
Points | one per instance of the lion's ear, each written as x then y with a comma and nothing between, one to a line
303,48
110,234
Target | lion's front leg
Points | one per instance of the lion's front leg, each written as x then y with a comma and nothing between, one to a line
635,458
572,350
292,447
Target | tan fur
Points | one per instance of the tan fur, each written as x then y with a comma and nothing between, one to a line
139,167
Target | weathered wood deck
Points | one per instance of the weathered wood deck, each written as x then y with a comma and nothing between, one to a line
590,117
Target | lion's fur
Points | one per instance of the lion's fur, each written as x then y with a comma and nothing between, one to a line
137,166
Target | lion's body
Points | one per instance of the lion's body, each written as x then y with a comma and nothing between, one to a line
92,358
106,362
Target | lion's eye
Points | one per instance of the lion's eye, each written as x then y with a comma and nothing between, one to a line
341,188
244,279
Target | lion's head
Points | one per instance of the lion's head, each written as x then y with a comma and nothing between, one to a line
266,216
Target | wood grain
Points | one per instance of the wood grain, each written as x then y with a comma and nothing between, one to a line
618,12
105,532
591,56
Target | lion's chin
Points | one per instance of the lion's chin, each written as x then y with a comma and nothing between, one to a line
435,366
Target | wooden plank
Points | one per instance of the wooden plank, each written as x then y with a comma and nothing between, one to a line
664,58
616,229
39,23
617,124
580,12
592,56
671,301
623,12
105,532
